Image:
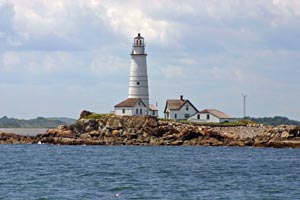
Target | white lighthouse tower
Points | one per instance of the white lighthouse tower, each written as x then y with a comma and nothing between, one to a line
138,81
137,103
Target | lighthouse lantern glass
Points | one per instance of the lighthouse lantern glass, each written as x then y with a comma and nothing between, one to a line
139,41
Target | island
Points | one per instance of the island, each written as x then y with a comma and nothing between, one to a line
110,129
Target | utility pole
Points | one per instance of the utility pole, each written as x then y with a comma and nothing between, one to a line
244,100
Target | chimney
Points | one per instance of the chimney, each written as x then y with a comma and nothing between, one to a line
181,97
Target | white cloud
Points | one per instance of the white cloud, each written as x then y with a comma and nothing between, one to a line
38,19
161,22
127,19
287,7
220,48
41,18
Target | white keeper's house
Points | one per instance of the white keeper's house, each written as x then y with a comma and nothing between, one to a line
137,102
211,115
179,109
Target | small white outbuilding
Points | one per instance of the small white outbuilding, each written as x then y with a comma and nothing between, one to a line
153,110
211,115
131,107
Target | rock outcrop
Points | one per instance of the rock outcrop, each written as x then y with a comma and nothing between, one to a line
11,138
137,130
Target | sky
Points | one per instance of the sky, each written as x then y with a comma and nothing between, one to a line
59,57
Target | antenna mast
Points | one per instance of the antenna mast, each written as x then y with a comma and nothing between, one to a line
244,101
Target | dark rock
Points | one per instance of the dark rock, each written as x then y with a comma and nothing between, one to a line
90,125
85,114
295,132
78,127
189,134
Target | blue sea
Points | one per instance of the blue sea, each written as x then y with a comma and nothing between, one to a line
46,172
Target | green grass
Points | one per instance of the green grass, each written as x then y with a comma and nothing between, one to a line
98,116
235,123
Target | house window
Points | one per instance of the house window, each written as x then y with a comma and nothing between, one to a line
123,111
138,83
187,107
175,116
136,111
139,103
198,116
207,116
186,115
141,111
153,112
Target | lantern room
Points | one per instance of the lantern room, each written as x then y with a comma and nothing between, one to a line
138,41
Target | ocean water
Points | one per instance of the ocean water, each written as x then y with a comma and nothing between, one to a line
46,172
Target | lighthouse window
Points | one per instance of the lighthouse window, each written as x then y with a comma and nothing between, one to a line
138,83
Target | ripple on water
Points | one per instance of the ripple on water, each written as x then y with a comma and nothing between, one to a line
129,172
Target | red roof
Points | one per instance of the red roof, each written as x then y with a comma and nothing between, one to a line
130,102
217,113
152,107
176,104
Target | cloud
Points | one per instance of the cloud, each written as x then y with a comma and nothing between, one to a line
66,23
116,15
76,24
210,51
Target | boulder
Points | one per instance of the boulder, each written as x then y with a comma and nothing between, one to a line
85,114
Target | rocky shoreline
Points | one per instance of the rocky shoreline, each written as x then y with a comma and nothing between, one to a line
137,130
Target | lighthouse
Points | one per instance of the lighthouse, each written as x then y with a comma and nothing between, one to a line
137,103
138,80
